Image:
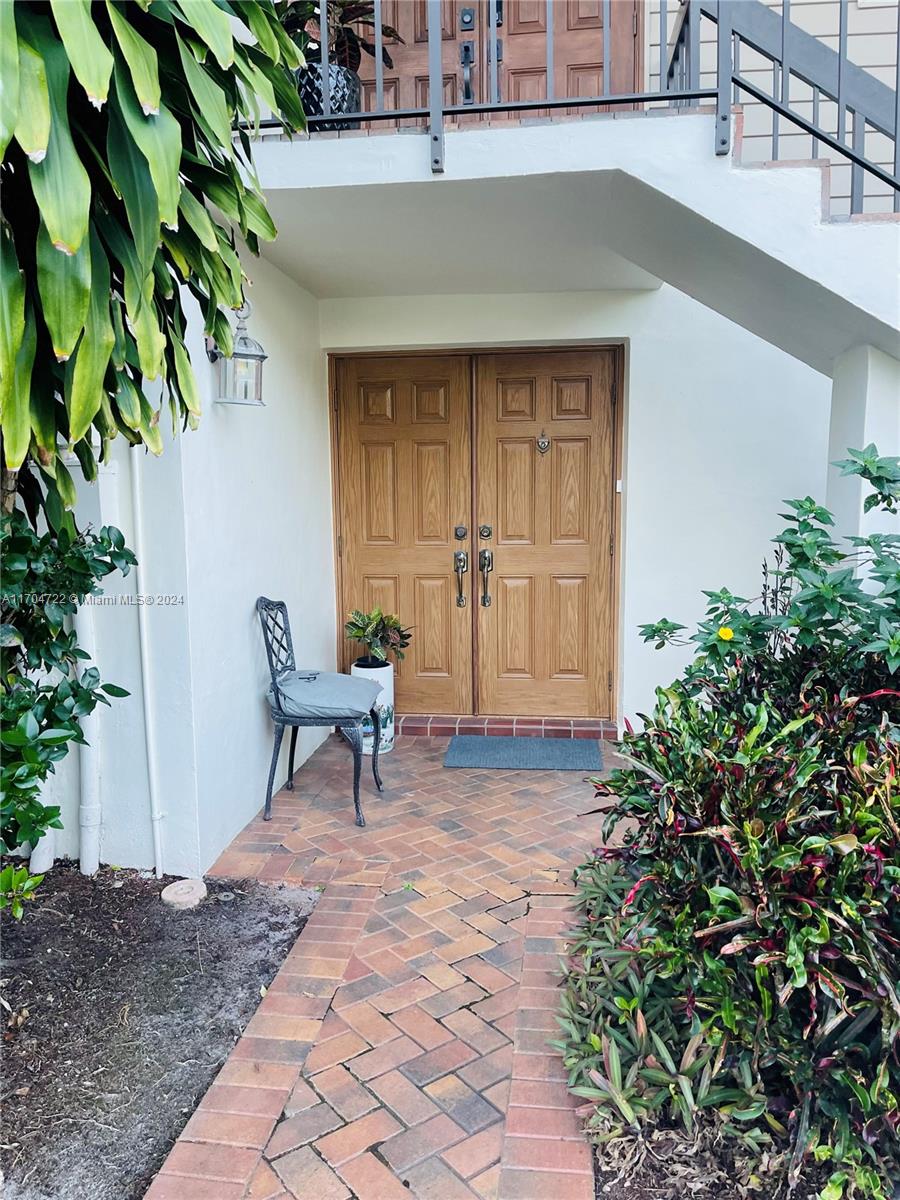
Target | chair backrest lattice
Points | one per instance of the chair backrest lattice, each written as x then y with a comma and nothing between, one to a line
276,628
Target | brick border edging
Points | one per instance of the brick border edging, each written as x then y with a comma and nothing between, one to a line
545,1155
218,1154
446,725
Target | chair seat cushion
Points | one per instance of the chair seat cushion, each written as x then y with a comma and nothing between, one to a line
324,695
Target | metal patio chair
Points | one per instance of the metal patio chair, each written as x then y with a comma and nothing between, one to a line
313,698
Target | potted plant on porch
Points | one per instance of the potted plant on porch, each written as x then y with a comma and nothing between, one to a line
347,25
380,634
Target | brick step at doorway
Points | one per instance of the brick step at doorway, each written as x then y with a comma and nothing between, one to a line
438,725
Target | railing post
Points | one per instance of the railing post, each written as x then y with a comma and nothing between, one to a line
723,78
435,88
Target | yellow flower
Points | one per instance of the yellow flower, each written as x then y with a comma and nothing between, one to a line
726,633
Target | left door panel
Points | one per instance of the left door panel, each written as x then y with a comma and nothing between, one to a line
404,454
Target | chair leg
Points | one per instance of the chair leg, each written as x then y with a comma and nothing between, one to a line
279,734
355,738
290,779
376,729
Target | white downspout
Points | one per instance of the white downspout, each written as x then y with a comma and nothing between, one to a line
137,505
89,807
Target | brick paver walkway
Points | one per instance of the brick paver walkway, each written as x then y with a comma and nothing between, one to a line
401,1050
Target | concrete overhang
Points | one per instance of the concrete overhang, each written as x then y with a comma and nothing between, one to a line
607,203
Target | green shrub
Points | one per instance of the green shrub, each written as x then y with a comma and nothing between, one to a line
44,692
737,957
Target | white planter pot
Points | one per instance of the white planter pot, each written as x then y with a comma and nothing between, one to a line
384,675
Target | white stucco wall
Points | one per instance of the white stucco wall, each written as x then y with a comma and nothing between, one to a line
258,521
719,428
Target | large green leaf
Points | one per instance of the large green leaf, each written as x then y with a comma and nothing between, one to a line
194,212
64,282
187,381
60,183
159,140
206,96
9,75
128,402
141,58
16,356
12,308
213,26
33,122
135,185
88,53
94,349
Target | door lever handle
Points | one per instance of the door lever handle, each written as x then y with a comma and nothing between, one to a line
485,566
460,566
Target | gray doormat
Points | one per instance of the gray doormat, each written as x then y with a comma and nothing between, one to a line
524,753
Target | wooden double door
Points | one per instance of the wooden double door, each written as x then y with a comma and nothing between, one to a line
476,501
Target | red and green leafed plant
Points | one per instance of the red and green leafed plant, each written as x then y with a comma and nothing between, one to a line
738,956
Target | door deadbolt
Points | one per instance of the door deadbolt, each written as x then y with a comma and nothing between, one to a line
485,531
460,532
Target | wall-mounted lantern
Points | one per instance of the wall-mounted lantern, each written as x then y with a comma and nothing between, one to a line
239,377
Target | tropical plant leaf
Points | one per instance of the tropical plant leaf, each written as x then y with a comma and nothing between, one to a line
33,122
94,349
159,140
88,54
207,97
141,58
9,75
60,182
64,281
135,185
212,25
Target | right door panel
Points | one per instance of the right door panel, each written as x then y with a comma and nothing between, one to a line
544,485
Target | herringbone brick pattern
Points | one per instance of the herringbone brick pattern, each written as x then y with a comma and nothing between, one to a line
409,1041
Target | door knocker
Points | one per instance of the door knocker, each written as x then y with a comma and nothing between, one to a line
543,443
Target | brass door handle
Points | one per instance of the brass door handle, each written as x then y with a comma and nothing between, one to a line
460,566
485,566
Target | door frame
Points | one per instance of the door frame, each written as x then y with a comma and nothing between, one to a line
619,347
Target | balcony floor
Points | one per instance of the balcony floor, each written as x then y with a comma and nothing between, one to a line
401,1050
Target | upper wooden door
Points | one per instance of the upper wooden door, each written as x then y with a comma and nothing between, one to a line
404,455
544,486
577,39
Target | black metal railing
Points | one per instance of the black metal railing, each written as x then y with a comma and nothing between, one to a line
700,60
805,76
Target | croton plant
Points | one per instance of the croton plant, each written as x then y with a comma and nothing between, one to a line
738,956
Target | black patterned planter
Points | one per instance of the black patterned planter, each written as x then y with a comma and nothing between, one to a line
345,93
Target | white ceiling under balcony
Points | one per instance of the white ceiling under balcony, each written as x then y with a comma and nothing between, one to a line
529,234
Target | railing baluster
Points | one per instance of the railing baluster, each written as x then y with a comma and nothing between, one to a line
435,87
736,59
694,36
842,58
607,36
550,80
723,78
663,46
492,52
897,118
815,121
324,65
379,58
856,172
775,126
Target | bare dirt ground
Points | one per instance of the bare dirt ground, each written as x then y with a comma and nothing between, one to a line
121,1011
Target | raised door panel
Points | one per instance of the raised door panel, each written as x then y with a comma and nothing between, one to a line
515,629
379,493
515,491
570,491
432,617
431,493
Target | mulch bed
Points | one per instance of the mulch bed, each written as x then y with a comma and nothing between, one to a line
121,1011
